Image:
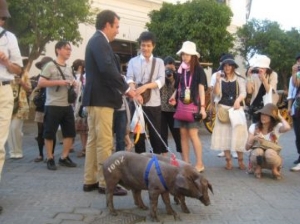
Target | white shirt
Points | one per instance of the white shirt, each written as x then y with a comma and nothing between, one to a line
292,95
9,45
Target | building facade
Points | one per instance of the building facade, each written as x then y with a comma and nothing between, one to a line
134,16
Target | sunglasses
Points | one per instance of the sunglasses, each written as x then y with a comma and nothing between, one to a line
3,18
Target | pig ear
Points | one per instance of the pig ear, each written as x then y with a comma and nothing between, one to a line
210,187
181,182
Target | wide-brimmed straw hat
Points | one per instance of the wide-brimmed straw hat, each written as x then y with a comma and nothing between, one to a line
261,61
42,62
270,110
188,47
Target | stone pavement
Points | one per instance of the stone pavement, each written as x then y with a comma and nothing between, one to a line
31,194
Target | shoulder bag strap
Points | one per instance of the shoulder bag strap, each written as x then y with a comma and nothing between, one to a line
152,68
61,73
2,33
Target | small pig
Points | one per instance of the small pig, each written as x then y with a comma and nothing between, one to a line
128,169
188,168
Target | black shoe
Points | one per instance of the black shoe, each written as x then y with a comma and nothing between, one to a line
90,187
51,164
66,162
297,161
1,209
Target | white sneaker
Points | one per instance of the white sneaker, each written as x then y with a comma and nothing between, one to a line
296,168
234,154
221,154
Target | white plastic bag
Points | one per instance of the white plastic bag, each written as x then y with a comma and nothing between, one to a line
138,117
237,117
270,97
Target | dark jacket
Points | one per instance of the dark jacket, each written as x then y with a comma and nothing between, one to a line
104,83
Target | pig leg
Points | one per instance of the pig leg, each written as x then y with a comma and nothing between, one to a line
153,197
137,197
166,199
176,200
183,206
109,197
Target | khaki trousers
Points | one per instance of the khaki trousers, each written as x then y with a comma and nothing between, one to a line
6,107
99,144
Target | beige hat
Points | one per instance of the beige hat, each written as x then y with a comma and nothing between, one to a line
261,61
270,110
188,47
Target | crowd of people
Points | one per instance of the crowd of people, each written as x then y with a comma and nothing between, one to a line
171,99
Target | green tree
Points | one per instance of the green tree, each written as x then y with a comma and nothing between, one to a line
204,22
266,37
38,22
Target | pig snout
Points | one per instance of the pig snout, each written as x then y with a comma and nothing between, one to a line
204,200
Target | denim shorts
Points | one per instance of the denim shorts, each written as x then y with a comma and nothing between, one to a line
186,124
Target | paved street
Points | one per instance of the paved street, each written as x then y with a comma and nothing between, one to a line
31,194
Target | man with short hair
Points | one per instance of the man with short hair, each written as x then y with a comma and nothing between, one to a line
144,74
58,111
10,65
102,95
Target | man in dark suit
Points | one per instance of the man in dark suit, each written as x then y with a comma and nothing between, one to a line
103,93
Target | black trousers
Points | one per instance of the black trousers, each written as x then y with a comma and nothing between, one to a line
167,122
296,125
154,115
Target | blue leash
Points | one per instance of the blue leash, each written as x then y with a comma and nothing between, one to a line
158,171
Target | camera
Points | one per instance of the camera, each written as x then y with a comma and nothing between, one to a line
197,116
169,72
254,71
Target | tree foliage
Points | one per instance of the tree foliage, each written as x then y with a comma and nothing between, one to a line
38,22
266,37
204,22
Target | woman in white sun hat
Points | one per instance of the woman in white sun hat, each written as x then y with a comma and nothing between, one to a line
260,78
190,89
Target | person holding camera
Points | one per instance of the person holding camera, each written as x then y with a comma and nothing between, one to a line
190,91
230,92
167,111
260,78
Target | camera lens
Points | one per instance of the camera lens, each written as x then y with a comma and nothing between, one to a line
169,72
255,71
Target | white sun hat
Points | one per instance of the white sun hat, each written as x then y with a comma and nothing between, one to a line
188,47
261,61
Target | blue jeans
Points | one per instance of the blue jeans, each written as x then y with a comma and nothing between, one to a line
119,123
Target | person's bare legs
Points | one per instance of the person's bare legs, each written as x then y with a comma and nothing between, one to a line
193,134
228,160
184,136
49,148
67,144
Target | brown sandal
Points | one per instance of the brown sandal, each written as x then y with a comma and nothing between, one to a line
241,164
81,153
228,164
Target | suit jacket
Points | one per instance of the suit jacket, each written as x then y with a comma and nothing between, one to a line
104,83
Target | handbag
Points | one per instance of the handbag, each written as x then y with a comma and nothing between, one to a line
265,144
72,95
147,94
237,117
40,98
16,102
271,97
186,112
223,115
